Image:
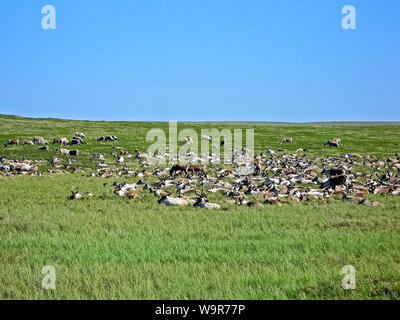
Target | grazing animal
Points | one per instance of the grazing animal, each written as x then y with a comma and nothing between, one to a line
11,142
200,169
206,138
188,140
42,141
64,151
80,134
124,152
333,171
177,167
37,138
43,148
334,181
111,138
27,142
73,152
107,138
285,140
333,143
75,195
63,141
76,140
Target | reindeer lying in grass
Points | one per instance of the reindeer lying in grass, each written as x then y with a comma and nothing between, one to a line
202,202
170,201
126,190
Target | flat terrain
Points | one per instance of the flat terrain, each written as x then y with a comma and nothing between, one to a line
109,247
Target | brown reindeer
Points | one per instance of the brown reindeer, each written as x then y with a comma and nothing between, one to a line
63,140
42,141
285,140
11,142
27,142
333,143
335,181
64,151
199,169
177,167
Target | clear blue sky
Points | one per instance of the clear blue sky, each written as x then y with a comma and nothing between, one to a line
264,60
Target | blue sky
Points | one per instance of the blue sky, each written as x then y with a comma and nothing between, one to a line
200,60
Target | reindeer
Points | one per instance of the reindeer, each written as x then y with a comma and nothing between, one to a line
335,181
188,140
170,201
333,143
63,151
202,202
107,138
333,171
126,190
75,195
63,141
76,140
200,169
11,142
29,142
42,141
285,140
73,152
124,152
80,135
177,167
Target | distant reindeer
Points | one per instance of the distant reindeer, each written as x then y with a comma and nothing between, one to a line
285,140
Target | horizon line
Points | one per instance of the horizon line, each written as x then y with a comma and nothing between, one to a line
203,121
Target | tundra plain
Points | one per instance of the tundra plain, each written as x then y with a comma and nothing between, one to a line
111,247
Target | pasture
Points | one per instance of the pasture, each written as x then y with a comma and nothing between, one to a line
111,247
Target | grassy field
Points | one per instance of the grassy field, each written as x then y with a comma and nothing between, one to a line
108,247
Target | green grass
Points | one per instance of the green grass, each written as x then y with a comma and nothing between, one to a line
107,247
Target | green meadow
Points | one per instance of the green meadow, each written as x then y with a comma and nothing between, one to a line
109,247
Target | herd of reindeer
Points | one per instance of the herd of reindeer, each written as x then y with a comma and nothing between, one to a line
270,178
